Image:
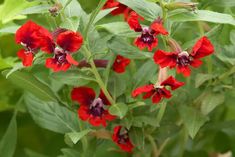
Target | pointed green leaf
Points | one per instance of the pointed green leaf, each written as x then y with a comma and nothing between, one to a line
192,119
8,141
119,110
76,136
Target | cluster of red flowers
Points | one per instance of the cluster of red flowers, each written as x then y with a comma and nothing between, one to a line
62,43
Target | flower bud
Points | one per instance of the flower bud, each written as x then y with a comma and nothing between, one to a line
174,45
184,5
55,9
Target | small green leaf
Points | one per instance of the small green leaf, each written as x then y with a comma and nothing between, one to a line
118,29
10,12
136,105
192,119
30,83
210,102
102,14
67,152
119,110
142,75
73,77
202,78
149,10
76,136
8,141
51,116
137,137
120,46
201,15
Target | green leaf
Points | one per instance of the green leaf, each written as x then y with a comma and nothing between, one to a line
136,105
6,63
117,84
118,29
139,121
119,109
51,116
9,29
76,136
73,8
149,10
192,119
73,77
31,153
202,78
142,75
120,46
31,84
137,137
9,12
201,15
224,3
8,141
102,14
67,152
39,9
211,101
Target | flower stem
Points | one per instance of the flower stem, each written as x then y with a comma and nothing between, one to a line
154,146
97,76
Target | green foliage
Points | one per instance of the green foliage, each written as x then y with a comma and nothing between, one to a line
8,141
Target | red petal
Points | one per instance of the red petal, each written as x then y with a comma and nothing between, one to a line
172,82
165,59
120,64
28,35
196,63
116,131
142,89
70,41
26,57
96,121
83,95
185,70
83,113
133,22
64,67
127,147
148,94
108,116
156,98
141,45
158,29
166,93
47,44
202,48
70,59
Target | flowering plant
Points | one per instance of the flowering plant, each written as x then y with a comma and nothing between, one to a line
124,78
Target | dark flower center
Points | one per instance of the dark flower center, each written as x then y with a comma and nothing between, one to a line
183,59
147,37
61,58
97,107
123,137
159,91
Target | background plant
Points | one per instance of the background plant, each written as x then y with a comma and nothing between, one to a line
197,121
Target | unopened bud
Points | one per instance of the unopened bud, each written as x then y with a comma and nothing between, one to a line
174,45
54,10
184,5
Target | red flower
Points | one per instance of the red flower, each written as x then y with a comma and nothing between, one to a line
157,92
148,34
28,35
120,64
92,109
68,42
182,60
120,8
121,138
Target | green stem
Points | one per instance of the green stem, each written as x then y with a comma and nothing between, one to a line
97,76
154,146
84,139
161,112
93,16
